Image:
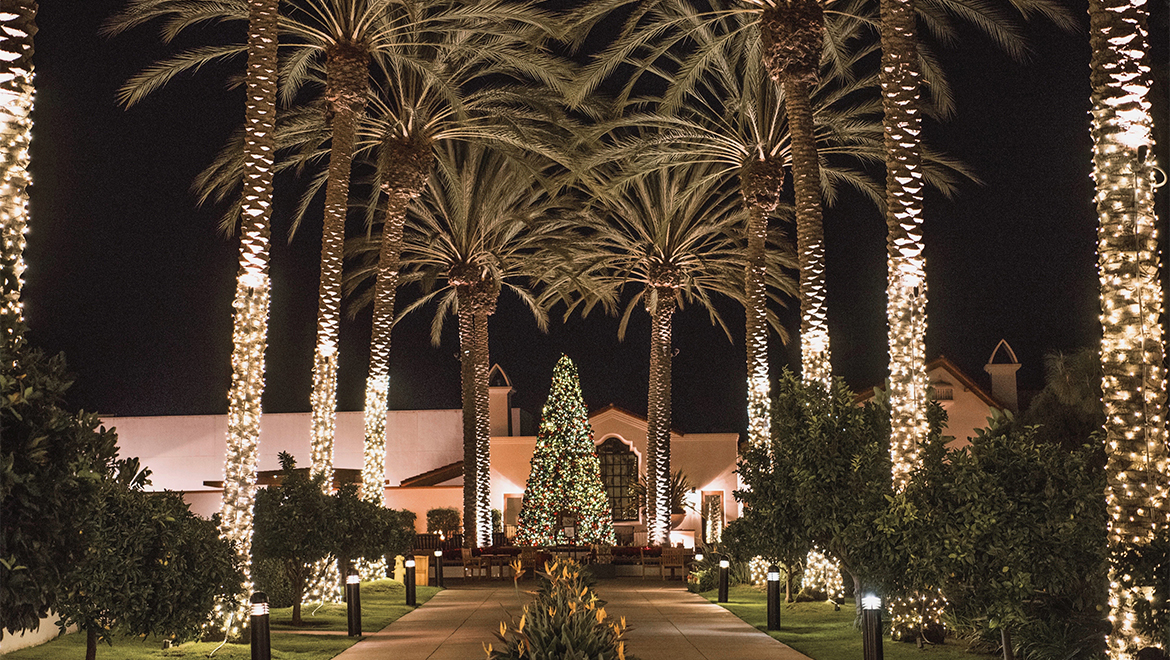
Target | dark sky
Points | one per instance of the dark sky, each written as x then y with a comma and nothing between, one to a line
131,279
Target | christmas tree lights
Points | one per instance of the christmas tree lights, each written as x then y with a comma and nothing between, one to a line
566,473
823,573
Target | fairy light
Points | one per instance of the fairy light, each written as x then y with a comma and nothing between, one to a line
1132,345
913,613
16,105
250,307
758,571
823,573
714,515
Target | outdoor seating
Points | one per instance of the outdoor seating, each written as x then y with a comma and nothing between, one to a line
473,564
674,559
652,558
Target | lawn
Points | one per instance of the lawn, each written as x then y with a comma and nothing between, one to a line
383,601
817,631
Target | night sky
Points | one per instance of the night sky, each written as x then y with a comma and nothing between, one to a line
131,280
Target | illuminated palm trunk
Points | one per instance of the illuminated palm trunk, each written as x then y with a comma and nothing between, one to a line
661,306
345,91
18,18
792,35
1132,349
906,284
250,326
477,301
406,167
759,383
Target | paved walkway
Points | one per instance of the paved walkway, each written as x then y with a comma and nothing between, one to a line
666,622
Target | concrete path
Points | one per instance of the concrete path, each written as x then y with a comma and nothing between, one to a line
666,622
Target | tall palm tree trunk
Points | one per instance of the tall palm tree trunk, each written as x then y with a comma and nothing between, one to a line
1132,346
467,361
661,310
406,168
483,434
18,18
815,361
250,326
378,378
477,301
792,37
906,284
345,89
759,382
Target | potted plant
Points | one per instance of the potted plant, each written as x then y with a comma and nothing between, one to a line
680,487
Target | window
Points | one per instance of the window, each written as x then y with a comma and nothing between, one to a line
619,471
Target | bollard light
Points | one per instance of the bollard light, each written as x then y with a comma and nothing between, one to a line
723,566
261,634
353,603
439,568
773,597
409,564
871,627
699,556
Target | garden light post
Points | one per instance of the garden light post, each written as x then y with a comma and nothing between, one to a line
261,634
723,566
353,603
410,600
439,568
871,627
773,597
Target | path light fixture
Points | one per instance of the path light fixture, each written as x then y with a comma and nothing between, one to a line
871,627
353,603
409,563
261,633
723,566
439,568
773,597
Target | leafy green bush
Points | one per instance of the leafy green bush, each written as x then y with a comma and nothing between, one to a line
269,576
445,520
566,621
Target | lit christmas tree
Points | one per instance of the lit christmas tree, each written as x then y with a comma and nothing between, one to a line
565,482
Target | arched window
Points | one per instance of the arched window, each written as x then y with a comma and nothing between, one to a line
619,471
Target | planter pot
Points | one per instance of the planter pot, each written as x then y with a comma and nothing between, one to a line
676,519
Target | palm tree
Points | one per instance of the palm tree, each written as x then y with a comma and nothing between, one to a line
675,232
253,286
487,222
1132,347
18,19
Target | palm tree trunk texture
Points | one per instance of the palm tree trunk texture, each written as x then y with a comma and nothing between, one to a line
906,287
1132,348
759,380
470,446
18,19
378,378
658,418
483,434
406,167
810,235
345,90
250,325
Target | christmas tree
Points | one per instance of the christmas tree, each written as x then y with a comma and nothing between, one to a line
564,487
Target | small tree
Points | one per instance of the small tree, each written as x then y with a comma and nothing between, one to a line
293,525
443,520
359,529
150,566
52,463
566,474
399,532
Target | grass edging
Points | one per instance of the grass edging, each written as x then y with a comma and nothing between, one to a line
820,633
383,601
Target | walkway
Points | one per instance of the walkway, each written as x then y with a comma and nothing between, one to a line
666,622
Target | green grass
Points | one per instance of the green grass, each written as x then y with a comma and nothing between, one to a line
383,601
817,631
